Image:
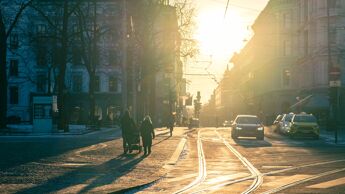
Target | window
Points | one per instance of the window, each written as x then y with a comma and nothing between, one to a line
286,77
306,43
14,95
77,82
14,43
332,4
41,82
41,29
333,37
287,20
41,57
112,84
97,84
76,55
14,67
287,48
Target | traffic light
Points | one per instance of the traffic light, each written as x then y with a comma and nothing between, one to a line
189,101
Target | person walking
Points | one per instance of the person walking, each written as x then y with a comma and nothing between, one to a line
171,123
147,134
127,126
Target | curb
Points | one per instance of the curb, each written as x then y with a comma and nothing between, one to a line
56,135
138,187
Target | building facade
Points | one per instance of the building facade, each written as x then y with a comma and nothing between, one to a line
295,43
33,55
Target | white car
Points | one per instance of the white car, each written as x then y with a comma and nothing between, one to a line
285,123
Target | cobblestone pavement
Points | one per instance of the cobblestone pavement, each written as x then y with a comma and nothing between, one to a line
86,163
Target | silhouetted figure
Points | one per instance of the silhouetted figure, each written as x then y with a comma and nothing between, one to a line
147,134
171,123
127,127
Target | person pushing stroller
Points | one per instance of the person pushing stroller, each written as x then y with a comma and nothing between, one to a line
147,134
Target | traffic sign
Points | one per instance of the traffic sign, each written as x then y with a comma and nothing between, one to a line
336,83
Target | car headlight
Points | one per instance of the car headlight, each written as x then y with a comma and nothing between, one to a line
260,128
238,128
286,125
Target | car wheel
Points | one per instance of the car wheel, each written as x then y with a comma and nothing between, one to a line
260,137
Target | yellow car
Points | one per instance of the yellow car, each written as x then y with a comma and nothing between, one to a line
304,125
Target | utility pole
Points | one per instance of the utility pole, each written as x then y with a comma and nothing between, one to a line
124,57
334,81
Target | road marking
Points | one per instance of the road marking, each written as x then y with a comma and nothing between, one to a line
328,184
182,177
279,181
275,167
226,178
176,155
313,177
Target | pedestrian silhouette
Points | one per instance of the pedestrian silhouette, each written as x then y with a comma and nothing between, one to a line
147,134
171,123
127,128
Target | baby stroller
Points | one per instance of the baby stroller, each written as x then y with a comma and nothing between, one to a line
134,141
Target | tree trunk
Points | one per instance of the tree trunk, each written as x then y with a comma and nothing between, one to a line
92,102
61,82
3,75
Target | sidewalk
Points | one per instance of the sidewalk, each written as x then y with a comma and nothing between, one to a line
329,136
8,133
99,167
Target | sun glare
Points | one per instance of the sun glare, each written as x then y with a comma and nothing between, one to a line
218,36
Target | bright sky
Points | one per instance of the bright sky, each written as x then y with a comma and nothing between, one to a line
219,38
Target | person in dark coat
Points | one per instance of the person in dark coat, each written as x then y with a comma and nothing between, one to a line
147,134
171,123
127,126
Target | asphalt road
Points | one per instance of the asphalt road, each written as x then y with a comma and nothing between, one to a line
215,163
210,162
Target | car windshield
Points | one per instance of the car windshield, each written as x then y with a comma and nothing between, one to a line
248,120
306,119
288,117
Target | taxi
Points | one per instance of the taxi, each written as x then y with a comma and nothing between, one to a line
304,125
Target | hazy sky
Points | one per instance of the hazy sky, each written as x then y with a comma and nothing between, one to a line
219,38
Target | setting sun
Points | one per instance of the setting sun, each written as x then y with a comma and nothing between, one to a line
219,36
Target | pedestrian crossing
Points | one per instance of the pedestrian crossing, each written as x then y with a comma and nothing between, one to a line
328,184
281,181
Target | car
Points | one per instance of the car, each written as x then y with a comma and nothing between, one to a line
193,123
247,126
304,124
285,122
226,124
276,123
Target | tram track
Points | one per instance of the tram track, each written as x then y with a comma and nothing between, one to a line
256,176
202,168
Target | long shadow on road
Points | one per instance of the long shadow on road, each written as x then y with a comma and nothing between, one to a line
89,176
16,153
252,143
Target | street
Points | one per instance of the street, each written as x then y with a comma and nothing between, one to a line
208,161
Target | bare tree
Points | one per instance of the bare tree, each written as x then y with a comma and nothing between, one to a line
62,34
163,33
7,24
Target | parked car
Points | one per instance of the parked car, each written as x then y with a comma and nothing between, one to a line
285,123
247,126
193,123
226,124
276,123
304,125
